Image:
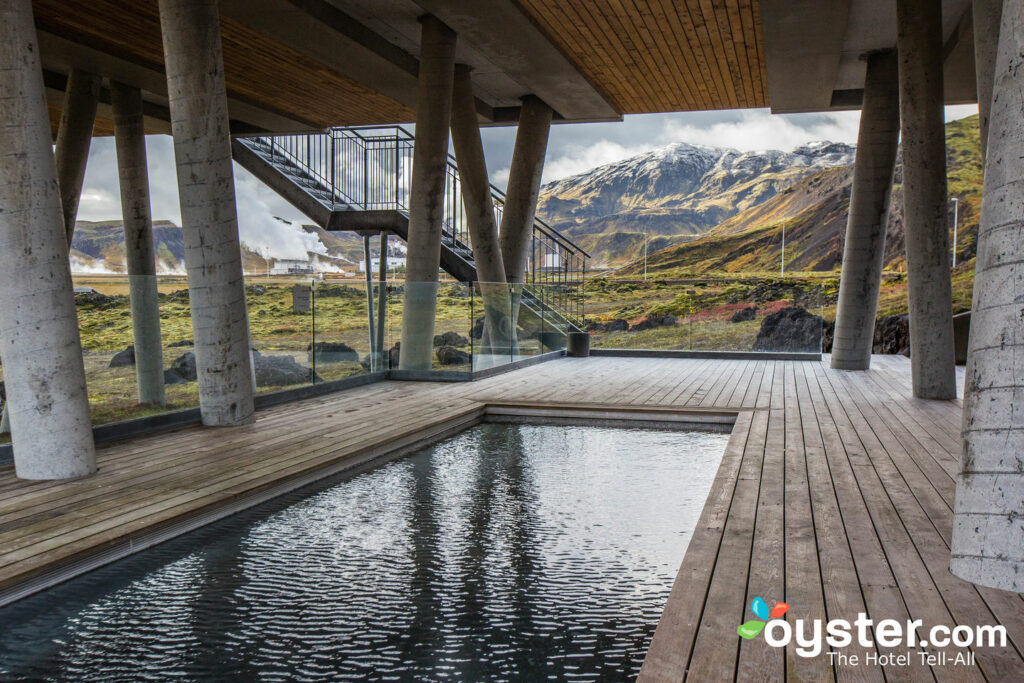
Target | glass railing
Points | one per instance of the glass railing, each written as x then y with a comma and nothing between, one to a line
306,331
767,316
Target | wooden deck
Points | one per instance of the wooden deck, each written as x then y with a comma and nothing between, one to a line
834,495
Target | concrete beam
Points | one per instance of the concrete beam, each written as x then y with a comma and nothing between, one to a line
427,194
213,260
864,248
919,44
44,376
987,545
73,138
524,186
130,139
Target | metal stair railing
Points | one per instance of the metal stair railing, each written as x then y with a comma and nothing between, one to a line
369,168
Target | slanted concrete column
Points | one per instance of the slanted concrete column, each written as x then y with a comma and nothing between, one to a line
919,43
524,186
44,377
986,14
426,200
130,138
74,135
988,540
864,248
483,231
206,189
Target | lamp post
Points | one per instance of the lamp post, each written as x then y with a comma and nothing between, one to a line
956,215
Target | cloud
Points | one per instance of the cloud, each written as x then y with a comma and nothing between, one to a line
757,130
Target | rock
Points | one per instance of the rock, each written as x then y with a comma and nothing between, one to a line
261,313
828,334
449,355
183,342
331,352
171,377
184,367
744,315
613,325
653,321
892,335
790,330
276,371
255,290
98,300
123,359
450,339
478,329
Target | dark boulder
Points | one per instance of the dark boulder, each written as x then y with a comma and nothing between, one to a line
183,367
450,339
828,335
277,371
892,335
182,343
123,359
331,352
613,325
478,329
744,315
449,355
653,321
792,330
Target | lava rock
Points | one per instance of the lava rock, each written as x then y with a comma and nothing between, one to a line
653,321
744,315
892,335
98,300
790,330
450,339
276,371
449,355
123,359
828,335
478,329
182,343
331,352
613,325
183,368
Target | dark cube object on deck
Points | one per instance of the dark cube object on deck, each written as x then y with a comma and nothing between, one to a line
579,344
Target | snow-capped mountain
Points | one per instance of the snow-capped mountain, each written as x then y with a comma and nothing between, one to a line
674,192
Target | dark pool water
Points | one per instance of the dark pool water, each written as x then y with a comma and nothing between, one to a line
508,552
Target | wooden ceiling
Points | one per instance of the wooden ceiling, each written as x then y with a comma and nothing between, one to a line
651,56
258,70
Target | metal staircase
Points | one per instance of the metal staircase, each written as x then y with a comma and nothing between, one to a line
358,179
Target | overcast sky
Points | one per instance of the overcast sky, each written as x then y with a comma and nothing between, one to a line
573,148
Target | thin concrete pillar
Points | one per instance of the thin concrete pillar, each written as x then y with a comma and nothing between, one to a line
986,14
74,135
483,231
864,248
524,186
919,43
988,539
426,200
44,377
206,189
130,139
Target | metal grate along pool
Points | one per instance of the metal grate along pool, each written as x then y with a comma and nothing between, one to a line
508,552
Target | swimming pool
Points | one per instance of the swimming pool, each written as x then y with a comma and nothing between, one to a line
507,552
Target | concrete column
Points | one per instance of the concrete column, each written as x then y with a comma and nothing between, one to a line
864,248
206,189
919,43
483,231
130,138
988,539
524,186
986,14
426,200
74,134
44,377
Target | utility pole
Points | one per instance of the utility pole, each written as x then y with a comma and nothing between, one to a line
782,263
956,211
645,254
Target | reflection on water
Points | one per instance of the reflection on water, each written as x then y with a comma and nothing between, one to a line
505,553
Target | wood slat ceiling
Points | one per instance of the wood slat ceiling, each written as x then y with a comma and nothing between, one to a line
651,56
258,70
